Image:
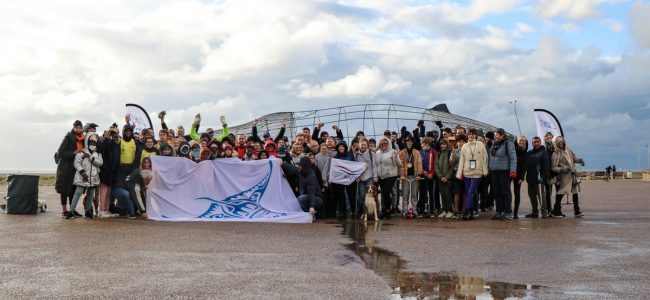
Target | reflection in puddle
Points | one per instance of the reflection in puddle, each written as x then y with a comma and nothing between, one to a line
420,285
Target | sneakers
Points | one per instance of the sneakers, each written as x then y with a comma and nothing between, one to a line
580,214
507,216
497,216
532,215
89,214
455,216
475,215
442,215
515,216
69,216
76,214
556,214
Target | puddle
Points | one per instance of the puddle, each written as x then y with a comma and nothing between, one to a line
420,285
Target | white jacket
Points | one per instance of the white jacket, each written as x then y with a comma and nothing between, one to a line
387,163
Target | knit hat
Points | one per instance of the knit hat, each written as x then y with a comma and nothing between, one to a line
77,123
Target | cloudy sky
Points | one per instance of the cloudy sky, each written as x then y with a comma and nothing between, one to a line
588,61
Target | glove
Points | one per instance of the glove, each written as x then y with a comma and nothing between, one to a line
223,120
567,170
513,175
439,124
85,177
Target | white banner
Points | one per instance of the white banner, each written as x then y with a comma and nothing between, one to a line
344,171
139,117
221,190
546,122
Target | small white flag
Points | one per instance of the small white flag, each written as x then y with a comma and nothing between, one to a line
344,171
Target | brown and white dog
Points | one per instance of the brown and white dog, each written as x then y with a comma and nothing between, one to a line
372,203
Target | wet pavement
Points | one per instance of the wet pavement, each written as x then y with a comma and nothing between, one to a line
604,255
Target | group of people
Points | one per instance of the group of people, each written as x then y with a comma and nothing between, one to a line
610,171
441,173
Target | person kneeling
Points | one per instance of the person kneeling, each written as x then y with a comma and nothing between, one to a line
310,198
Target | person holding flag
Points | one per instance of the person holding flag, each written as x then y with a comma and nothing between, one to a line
343,174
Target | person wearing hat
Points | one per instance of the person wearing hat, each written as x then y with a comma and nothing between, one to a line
87,165
90,127
503,169
563,162
228,152
267,135
71,145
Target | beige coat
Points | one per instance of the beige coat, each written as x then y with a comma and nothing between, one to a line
560,160
417,162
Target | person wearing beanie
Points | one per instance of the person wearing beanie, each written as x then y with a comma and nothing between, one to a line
87,165
167,150
71,145
503,169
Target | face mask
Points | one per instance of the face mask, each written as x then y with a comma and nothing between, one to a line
92,148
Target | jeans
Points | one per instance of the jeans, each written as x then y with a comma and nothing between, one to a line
535,198
387,185
445,195
501,187
361,200
305,205
395,194
104,197
517,188
471,186
124,200
409,193
90,194
427,187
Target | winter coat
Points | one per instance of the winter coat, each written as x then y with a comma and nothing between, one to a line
472,151
323,163
83,164
503,156
429,162
111,156
346,155
521,161
65,170
308,180
387,164
537,165
267,148
560,161
416,161
369,158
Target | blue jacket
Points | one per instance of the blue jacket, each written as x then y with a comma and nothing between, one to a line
503,156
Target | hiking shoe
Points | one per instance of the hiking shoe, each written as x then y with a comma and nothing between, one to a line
579,214
507,216
532,215
497,216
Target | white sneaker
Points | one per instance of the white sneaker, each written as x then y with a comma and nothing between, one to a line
104,214
449,215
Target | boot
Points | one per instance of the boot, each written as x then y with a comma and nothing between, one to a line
557,208
576,207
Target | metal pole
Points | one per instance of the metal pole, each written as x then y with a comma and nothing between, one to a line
516,116
647,147
638,158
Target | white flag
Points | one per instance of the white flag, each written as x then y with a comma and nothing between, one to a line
547,122
139,117
221,190
344,171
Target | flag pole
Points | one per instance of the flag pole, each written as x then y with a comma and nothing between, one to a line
516,116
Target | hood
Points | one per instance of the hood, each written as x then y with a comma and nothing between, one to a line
124,129
341,143
446,142
557,139
91,135
270,143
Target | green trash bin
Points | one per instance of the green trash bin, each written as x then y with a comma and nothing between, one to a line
22,194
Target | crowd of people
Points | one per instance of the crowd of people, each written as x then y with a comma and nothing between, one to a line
441,173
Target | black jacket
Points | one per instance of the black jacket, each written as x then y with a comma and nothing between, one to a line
521,161
111,154
65,170
537,160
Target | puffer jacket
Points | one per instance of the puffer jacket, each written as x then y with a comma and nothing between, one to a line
91,168
369,158
387,164
443,165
